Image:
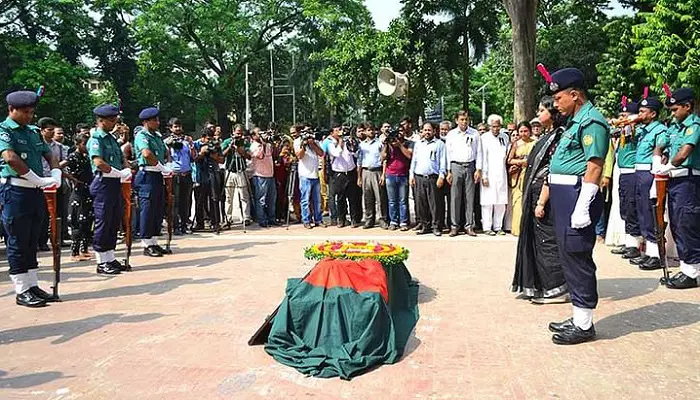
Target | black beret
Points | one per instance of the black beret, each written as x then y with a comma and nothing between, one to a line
566,78
631,108
106,111
651,103
22,98
148,113
681,96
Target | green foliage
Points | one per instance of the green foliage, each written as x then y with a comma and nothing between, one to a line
616,73
669,42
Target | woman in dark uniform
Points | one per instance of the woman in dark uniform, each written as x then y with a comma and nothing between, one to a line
538,270
80,210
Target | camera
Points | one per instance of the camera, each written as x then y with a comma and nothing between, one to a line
176,142
307,134
392,135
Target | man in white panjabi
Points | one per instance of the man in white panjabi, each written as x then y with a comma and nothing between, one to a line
494,179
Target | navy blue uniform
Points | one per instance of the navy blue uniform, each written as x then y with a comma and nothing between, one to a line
149,184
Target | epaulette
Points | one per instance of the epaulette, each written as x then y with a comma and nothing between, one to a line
34,128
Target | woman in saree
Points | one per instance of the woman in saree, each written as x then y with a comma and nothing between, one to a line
538,270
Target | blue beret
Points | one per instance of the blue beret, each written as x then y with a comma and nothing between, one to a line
566,78
22,98
106,111
148,113
651,103
681,96
631,108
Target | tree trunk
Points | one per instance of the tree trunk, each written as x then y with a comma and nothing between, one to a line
466,71
222,109
523,17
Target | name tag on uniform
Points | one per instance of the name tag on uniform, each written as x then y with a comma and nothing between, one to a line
21,141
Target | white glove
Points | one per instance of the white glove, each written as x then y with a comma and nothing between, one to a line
38,181
164,170
652,190
655,164
57,175
113,173
581,218
125,175
664,169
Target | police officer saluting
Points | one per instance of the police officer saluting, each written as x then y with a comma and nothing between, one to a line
575,173
21,195
107,165
151,152
649,132
683,169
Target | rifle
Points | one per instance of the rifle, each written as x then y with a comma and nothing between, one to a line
55,224
128,202
260,336
169,199
659,207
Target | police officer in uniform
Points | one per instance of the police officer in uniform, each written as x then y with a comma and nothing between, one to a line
683,169
575,173
627,187
649,131
21,195
107,165
151,152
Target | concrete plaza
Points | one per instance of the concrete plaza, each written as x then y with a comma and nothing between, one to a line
177,327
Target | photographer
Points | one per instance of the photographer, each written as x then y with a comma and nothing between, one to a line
182,154
309,153
263,178
342,149
396,160
209,155
234,151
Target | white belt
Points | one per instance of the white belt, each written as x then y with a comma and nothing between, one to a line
19,183
626,170
643,167
679,173
150,168
568,180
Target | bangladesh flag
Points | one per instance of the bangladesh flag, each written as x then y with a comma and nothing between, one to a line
345,317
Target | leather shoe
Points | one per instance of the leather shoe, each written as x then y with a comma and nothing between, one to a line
651,264
368,225
558,327
437,232
117,265
639,260
681,281
342,223
453,232
418,227
620,250
356,224
383,225
107,269
423,231
470,232
29,299
38,292
575,335
151,251
632,252
162,250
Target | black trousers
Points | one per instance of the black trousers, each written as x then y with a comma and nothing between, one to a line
428,202
347,192
182,192
207,203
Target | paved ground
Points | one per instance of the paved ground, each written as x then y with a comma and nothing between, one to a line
176,328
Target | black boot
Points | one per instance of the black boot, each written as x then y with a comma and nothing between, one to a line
574,335
620,250
632,252
639,260
38,292
107,269
151,251
563,326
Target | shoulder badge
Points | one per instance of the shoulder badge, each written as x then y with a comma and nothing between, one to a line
689,131
5,136
587,140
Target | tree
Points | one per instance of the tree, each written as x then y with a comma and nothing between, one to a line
523,17
670,44
616,73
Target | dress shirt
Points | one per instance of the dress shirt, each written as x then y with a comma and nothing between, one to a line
342,160
463,147
57,153
181,159
429,158
261,158
370,154
308,166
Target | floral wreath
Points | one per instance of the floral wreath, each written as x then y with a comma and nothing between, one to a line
386,254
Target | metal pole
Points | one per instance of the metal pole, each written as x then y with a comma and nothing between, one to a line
247,99
294,96
442,108
272,85
483,103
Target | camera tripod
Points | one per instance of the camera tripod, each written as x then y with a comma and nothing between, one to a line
291,183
